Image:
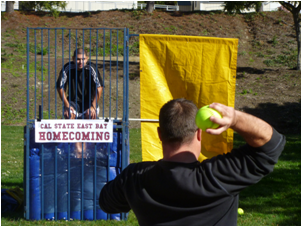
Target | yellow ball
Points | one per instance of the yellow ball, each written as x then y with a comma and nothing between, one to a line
240,211
202,118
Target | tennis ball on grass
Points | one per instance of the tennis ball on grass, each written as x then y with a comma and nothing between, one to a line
203,115
240,211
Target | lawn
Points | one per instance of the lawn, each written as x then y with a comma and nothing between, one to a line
276,200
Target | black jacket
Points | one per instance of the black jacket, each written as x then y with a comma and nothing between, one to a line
77,81
207,193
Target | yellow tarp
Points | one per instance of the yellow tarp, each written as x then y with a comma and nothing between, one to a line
201,69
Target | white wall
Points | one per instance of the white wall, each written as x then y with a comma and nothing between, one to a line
82,6
210,5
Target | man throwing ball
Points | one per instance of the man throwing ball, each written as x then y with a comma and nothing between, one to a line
179,190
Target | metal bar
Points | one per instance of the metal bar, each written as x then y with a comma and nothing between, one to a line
42,181
42,72
94,183
76,71
124,75
56,184
63,71
116,74
125,142
104,38
26,164
74,28
68,157
48,74
97,70
56,72
83,78
68,183
35,75
110,74
144,120
127,77
108,170
69,73
41,117
89,73
95,151
82,181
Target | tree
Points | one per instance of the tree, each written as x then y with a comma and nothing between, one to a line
150,6
52,6
9,6
295,7
237,7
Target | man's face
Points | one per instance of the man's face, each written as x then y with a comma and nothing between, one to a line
80,60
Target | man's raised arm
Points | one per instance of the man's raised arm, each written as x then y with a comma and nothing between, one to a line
254,131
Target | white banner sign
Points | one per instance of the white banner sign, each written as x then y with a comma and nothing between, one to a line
72,131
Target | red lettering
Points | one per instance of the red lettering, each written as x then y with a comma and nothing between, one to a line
78,136
85,137
42,135
70,136
56,136
65,135
99,135
107,135
48,136
99,126
92,137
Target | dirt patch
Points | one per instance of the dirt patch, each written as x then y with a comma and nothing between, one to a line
266,85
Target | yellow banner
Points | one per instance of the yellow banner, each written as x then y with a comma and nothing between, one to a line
200,69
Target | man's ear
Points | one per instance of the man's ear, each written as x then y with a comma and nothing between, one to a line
159,133
199,133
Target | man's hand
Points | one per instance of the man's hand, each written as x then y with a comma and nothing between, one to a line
228,118
66,112
254,131
92,112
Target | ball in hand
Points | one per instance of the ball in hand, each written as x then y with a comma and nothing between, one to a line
202,118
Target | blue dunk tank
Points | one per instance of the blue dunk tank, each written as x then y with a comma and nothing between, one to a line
59,181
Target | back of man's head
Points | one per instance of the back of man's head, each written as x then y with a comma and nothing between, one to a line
177,121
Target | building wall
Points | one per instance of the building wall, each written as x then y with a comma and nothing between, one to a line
196,5
82,6
219,5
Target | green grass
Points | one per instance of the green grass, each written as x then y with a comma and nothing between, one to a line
275,200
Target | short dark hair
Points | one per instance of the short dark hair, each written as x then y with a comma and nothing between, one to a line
177,121
79,51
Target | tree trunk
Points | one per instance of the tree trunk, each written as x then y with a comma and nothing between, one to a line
259,7
295,7
150,6
9,6
297,20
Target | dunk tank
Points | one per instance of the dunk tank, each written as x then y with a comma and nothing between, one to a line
60,183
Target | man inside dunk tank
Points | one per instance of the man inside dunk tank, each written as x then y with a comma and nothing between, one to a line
83,92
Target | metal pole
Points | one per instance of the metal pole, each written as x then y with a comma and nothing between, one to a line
26,164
